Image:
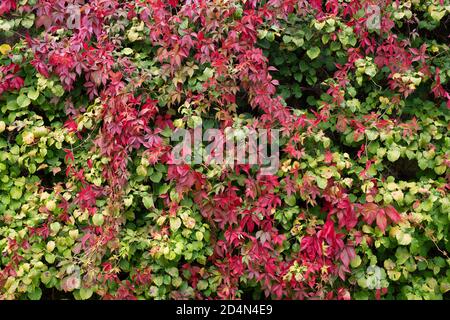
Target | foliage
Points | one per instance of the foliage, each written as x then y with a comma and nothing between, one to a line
91,208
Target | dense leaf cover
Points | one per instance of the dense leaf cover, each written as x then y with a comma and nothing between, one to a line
90,206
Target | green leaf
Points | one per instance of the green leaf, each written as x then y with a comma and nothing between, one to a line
440,169
393,154
127,51
46,277
287,39
35,294
33,94
298,76
371,70
362,282
361,295
298,42
50,258
16,193
158,280
58,90
402,254
355,262
184,24
86,293
148,202
172,271
160,167
319,25
163,188
437,15
207,73
372,135
141,171
202,285
156,176
313,53
291,200
167,132
98,219
23,101
55,226
321,182
445,286
427,205
27,23
394,275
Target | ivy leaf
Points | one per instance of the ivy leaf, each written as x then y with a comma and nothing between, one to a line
437,15
23,101
163,188
98,219
156,176
291,200
35,294
402,254
199,236
392,214
172,271
5,48
175,224
321,182
86,293
148,202
369,212
127,51
16,193
33,94
347,255
403,239
393,154
313,53
55,227
381,220
423,163
202,285
371,70
58,90
287,39
355,262
28,22
298,42
262,34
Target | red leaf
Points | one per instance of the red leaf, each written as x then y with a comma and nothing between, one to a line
392,214
381,220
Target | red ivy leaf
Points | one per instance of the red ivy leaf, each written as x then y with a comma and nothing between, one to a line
392,214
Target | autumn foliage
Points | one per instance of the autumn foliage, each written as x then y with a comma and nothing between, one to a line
91,205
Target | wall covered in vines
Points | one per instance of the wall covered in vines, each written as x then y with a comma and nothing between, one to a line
93,207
